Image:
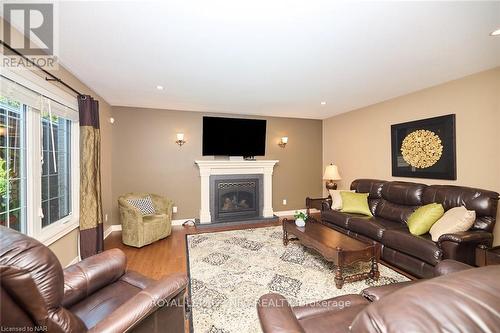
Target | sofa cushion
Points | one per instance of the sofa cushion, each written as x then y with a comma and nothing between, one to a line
403,193
338,218
421,247
336,199
394,212
356,203
373,227
457,219
371,186
421,220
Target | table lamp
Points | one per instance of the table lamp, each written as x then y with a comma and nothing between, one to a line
331,174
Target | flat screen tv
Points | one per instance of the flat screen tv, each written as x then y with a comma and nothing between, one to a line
234,136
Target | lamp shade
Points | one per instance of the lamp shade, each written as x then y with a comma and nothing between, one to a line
332,173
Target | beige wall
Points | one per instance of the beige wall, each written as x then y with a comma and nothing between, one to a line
66,248
146,158
359,141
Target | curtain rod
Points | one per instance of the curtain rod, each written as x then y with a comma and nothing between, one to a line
52,76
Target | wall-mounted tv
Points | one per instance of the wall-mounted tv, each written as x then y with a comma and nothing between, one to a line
234,136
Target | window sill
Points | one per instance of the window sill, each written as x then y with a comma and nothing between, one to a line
52,235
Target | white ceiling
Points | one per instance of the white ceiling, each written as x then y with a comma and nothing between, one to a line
270,57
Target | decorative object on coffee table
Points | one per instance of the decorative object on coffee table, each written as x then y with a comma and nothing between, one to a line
300,219
424,148
335,247
331,175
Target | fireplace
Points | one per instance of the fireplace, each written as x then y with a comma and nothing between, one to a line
236,197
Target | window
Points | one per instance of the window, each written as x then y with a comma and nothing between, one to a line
12,164
39,167
56,168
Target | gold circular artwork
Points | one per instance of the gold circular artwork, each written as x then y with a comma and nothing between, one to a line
422,148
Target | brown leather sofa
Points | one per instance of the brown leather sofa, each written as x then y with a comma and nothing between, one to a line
463,300
94,295
391,203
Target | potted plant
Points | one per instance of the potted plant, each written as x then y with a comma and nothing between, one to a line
300,218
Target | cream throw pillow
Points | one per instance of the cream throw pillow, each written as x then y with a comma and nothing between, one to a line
337,199
454,220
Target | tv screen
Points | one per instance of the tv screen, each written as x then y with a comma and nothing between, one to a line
234,136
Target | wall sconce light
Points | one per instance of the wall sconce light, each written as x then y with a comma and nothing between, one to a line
180,139
111,120
283,142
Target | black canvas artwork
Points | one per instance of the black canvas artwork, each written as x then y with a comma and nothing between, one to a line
424,148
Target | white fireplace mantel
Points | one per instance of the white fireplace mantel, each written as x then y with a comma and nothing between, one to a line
208,168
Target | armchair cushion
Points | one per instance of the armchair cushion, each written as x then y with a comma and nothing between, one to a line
145,205
139,306
91,274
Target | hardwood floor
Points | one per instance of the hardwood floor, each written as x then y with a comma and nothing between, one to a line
168,255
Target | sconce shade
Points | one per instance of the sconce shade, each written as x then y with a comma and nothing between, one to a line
180,136
284,139
332,173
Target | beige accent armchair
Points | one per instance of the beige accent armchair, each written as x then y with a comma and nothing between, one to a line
139,230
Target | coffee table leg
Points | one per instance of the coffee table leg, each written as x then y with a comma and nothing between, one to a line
374,273
339,280
285,236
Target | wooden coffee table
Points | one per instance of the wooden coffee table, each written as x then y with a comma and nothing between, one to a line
335,247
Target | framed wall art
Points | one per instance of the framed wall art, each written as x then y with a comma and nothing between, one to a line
425,148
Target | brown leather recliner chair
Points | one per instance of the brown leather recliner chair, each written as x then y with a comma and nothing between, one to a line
462,299
94,295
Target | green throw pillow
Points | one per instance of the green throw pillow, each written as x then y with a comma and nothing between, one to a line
355,203
421,220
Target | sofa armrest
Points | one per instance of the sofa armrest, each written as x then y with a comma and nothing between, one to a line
478,237
131,313
318,203
374,294
276,315
461,246
162,205
91,274
449,266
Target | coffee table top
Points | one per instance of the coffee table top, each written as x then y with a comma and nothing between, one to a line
328,237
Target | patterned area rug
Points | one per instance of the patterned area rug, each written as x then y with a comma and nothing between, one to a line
230,270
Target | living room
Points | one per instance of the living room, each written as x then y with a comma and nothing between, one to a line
261,166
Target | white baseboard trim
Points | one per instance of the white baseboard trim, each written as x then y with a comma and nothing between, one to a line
292,212
112,228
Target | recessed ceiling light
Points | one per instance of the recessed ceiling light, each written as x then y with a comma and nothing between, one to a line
159,87
495,33
323,103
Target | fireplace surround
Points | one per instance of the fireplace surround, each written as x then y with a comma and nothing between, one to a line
241,169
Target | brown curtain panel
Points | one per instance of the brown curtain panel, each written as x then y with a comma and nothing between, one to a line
91,227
